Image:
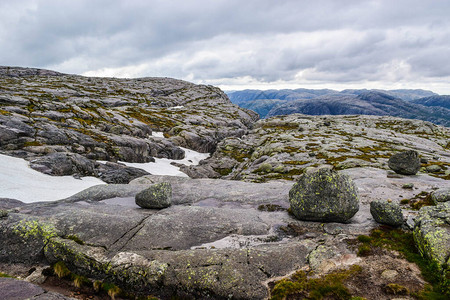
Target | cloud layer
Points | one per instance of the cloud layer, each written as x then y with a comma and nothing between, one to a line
236,44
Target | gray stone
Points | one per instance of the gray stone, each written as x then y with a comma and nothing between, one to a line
14,289
386,213
408,186
434,169
441,195
157,196
324,195
406,162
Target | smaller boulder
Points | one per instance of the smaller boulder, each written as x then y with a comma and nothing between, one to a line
157,196
441,195
406,162
434,169
386,213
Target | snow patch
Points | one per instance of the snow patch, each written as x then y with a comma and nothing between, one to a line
162,166
158,134
19,181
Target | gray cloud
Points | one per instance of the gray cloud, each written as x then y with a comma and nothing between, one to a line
240,42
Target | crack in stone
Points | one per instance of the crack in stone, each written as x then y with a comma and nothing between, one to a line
135,228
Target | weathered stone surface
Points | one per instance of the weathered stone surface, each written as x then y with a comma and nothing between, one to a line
212,242
432,232
441,195
14,289
7,203
324,195
157,196
406,162
386,213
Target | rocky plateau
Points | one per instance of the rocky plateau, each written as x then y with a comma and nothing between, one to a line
229,232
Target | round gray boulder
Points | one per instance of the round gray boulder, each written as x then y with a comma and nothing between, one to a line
157,196
406,162
441,195
386,213
324,195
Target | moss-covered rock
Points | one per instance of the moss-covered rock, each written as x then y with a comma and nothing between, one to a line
157,196
386,213
324,195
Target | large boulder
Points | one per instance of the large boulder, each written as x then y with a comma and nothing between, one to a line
386,213
405,163
432,232
157,196
324,195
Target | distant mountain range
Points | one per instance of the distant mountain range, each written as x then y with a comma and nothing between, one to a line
411,104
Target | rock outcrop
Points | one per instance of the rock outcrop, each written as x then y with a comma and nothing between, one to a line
324,195
432,233
44,112
283,147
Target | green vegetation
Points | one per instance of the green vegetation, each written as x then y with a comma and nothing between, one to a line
420,200
271,207
5,275
330,286
403,242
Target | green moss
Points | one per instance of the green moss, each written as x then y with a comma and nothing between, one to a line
75,238
403,242
223,171
5,275
396,289
330,286
4,112
31,144
418,201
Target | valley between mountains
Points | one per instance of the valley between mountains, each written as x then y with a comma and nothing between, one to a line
229,231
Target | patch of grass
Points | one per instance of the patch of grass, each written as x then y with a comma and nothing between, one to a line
403,242
330,286
5,275
418,201
61,270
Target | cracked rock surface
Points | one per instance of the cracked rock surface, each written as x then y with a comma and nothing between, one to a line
212,242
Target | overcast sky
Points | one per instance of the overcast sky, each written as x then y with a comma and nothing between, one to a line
236,44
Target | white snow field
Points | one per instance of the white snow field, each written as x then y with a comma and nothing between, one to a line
19,181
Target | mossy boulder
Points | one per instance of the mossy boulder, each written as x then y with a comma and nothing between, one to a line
157,196
441,195
432,232
324,195
386,213
405,163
